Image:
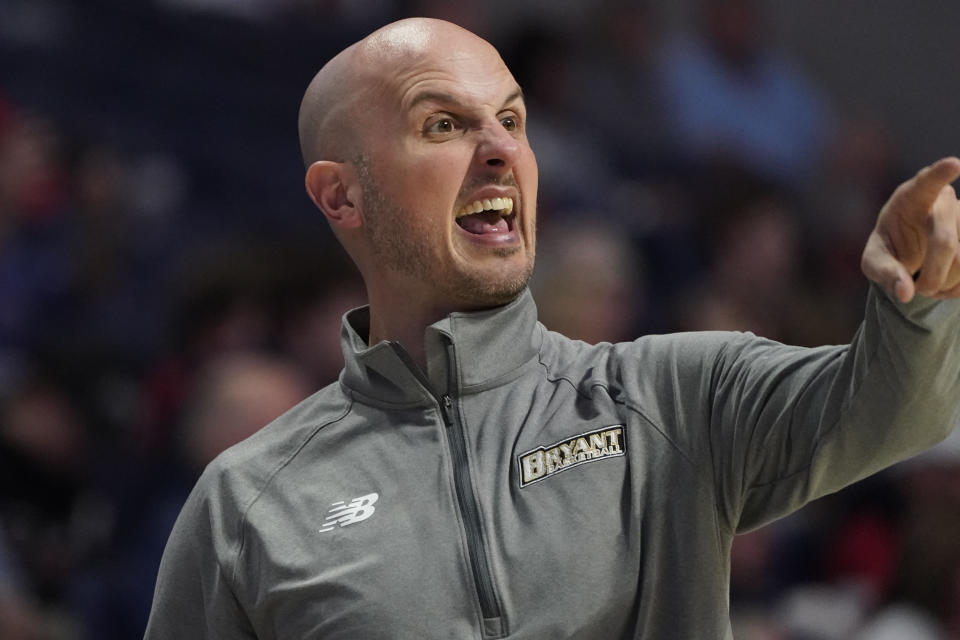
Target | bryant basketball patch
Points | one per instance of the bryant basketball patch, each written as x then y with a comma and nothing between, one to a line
541,463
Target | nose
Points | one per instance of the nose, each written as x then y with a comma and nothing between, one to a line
498,149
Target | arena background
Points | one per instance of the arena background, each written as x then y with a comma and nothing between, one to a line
166,286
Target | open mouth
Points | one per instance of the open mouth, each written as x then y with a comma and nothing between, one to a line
481,217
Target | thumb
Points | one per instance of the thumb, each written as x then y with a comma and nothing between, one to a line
881,266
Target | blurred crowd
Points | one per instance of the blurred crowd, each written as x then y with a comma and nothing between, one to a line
166,287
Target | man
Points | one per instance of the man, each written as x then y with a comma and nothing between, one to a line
473,475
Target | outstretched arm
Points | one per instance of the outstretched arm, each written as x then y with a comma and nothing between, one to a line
799,423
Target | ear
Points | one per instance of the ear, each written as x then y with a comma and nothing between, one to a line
328,185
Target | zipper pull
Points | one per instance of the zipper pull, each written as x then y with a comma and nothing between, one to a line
445,405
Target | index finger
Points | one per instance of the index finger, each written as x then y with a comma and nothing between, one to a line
920,192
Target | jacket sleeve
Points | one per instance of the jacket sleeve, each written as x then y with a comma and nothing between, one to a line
193,598
787,425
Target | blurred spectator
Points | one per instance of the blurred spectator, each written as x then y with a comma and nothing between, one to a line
250,296
221,308
731,94
588,284
310,334
924,599
33,263
115,293
614,86
898,622
31,172
859,174
232,396
754,247
311,293
49,517
753,588
821,611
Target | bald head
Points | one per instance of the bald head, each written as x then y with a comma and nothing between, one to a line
324,110
402,133
356,75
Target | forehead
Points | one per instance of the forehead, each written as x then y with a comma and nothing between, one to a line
428,66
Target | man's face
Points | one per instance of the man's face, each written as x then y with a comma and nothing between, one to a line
449,180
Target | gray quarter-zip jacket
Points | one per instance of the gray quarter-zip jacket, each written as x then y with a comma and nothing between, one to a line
530,486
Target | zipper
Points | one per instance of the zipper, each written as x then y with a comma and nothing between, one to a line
470,511
493,624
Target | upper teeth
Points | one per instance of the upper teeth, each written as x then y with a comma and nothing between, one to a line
493,204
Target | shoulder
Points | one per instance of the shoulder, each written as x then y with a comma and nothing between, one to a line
652,371
235,478
687,349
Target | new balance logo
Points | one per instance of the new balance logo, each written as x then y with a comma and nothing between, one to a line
342,514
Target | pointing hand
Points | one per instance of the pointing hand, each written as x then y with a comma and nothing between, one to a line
918,235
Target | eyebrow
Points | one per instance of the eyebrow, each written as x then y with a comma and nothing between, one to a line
518,93
448,98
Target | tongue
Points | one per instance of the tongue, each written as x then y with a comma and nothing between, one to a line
484,222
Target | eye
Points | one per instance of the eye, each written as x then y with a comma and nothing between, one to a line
443,125
510,123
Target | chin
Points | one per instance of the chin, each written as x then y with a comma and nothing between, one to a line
480,291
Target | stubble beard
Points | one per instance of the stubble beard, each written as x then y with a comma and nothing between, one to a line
395,246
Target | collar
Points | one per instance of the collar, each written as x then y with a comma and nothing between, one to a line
465,350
